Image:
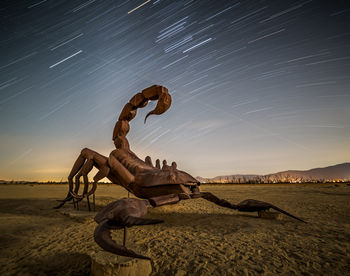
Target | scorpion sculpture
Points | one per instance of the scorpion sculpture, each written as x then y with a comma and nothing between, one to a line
155,186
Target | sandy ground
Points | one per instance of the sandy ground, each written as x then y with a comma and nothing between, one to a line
197,238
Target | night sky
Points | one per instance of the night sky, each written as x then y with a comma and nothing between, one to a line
257,86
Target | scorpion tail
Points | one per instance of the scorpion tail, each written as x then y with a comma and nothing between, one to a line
102,236
163,105
140,100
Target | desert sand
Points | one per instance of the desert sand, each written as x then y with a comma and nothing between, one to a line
197,238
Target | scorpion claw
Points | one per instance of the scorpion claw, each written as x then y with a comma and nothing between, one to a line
248,205
120,214
102,236
252,205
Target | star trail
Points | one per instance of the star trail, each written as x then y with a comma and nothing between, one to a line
257,86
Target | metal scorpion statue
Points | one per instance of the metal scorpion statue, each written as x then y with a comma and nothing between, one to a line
155,185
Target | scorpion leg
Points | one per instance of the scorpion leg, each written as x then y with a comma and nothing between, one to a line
85,170
76,189
100,174
248,205
76,167
82,166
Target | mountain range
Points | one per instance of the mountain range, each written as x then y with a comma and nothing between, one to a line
335,173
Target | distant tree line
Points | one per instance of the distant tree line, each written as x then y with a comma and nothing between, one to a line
286,179
270,179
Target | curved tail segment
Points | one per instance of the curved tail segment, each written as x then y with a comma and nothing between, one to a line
140,100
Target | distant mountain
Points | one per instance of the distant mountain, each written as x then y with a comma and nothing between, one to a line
339,173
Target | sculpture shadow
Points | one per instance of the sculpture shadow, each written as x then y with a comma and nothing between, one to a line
37,207
23,217
193,217
25,206
62,263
